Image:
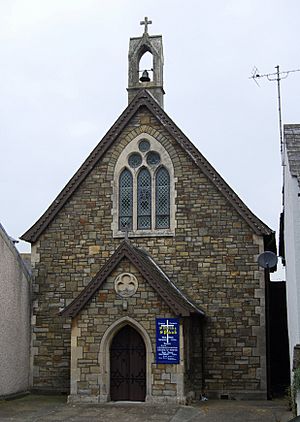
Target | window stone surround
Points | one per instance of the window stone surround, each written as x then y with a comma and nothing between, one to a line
121,164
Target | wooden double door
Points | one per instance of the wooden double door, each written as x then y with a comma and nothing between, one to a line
128,366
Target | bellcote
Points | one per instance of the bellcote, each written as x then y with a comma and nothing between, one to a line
152,79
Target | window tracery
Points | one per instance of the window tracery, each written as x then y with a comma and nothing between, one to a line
144,182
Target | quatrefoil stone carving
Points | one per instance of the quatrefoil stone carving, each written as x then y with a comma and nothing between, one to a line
126,285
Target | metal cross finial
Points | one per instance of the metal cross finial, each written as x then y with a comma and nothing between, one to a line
146,23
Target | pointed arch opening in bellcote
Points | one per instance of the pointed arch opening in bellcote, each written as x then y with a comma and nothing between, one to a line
146,64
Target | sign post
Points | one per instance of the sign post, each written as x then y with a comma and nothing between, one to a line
167,340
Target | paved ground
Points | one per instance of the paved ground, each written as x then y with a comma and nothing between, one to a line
34,408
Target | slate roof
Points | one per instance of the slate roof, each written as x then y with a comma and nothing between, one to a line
144,99
149,269
292,144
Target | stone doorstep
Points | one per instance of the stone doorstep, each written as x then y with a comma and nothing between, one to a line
150,400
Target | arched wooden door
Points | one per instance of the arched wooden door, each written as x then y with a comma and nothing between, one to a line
128,366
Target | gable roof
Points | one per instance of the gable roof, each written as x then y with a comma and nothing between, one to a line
292,142
143,98
148,268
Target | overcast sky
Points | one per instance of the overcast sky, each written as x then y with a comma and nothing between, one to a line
64,77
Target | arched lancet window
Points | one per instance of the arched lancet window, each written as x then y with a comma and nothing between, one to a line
162,206
125,200
144,200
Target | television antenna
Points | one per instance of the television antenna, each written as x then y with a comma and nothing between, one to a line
276,76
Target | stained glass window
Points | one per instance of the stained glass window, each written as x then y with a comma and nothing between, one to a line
162,206
125,200
153,158
135,160
144,200
144,145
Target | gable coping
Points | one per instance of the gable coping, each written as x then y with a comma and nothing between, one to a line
144,98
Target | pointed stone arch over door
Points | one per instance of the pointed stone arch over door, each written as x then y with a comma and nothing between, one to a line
127,366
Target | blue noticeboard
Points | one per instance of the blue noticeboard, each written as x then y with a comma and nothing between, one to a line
167,340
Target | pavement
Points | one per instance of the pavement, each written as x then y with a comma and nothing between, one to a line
38,408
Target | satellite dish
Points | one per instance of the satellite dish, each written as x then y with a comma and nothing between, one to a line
267,259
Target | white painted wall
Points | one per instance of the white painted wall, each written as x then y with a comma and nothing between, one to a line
292,255
14,319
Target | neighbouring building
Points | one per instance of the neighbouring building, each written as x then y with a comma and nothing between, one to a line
290,239
146,283
14,319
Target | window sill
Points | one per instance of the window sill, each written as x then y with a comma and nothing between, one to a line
146,233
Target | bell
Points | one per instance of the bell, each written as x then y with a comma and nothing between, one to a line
145,76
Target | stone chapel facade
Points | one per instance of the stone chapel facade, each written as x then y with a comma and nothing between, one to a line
147,229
